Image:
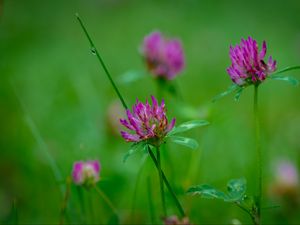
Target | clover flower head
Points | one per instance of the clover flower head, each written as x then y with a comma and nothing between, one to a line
248,64
147,122
86,173
164,57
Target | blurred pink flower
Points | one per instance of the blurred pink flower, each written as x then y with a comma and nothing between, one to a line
164,58
287,174
286,183
173,220
86,173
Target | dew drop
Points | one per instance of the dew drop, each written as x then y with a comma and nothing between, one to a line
93,50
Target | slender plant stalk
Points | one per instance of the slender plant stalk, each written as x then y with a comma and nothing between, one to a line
15,218
125,106
91,211
95,51
161,183
259,153
40,142
178,205
151,208
247,211
134,199
65,201
82,204
106,199
287,69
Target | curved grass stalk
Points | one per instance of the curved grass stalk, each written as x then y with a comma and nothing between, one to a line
125,106
65,201
106,199
40,142
95,51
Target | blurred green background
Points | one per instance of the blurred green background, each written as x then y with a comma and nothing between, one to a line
54,101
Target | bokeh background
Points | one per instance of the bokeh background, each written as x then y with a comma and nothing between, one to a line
57,106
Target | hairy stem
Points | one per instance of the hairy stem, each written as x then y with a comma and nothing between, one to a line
161,184
258,152
178,205
95,51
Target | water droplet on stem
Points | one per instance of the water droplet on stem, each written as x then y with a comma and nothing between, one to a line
93,50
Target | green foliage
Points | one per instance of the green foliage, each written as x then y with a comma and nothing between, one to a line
238,93
67,96
188,126
136,147
289,79
188,142
236,190
207,191
230,89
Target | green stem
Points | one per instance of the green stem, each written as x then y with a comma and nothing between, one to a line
287,69
245,210
134,199
178,205
82,204
95,51
161,184
40,141
106,199
259,152
151,208
65,201
15,218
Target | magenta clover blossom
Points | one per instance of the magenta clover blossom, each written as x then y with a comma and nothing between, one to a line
147,123
86,173
164,57
248,64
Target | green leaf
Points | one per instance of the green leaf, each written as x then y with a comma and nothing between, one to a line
207,191
130,77
188,142
136,147
289,79
238,93
188,126
248,201
236,189
230,89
